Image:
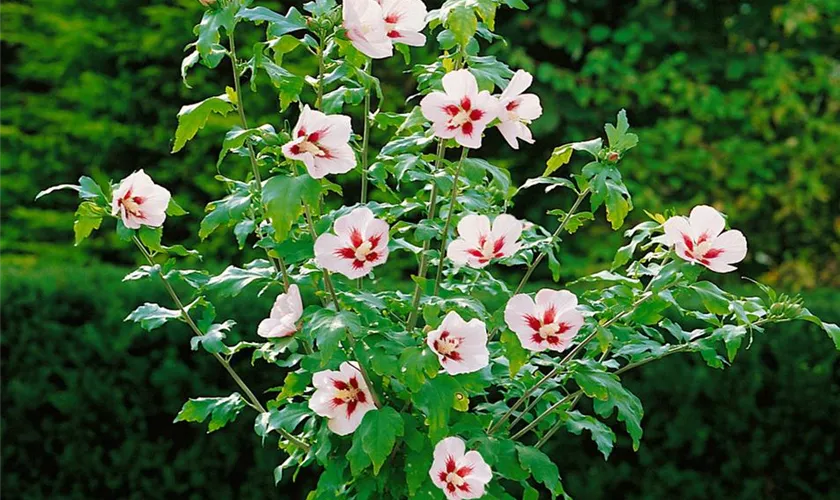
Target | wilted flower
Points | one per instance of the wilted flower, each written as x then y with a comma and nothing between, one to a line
287,310
698,239
341,396
404,20
478,243
321,142
550,323
461,111
359,244
518,110
461,346
366,28
140,202
459,474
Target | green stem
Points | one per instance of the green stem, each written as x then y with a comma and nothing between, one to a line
452,201
365,136
279,265
424,255
321,71
554,237
251,398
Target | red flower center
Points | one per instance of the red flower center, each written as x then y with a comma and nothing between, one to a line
545,329
360,250
348,393
447,346
454,476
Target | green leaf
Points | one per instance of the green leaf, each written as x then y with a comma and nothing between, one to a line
608,393
358,458
713,298
435,400
500,454
517,355
416,365
288,84
619,138
236,137
284,198
378,433
88,218
242,230
486,9
151,236
229,210
500,176
559,157
211,23
462,23
541,468
192,118
212,340
329,328
286,418
53,189
151,316
233,280
220,410
603,436
174,209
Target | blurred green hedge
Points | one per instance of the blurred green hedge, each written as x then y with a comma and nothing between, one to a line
737,104
88,403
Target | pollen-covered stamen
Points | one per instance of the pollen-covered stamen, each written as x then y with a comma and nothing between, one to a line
132,204
447,346
348,394
363,250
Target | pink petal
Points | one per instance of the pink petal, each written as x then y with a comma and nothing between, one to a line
561,300
510,229
734,246
460,83
705,220
433,106
327,257
472,227
529,107
676,229
510,131
521,80
357,219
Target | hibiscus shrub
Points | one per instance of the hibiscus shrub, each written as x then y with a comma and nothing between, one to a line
454,388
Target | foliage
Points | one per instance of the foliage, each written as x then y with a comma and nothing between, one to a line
340,344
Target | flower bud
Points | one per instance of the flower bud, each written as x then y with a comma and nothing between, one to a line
207,3
612,157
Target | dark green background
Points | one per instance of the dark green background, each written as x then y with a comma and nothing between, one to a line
736,105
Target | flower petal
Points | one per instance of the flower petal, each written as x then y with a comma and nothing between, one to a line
472,227
520,81
707,221
460,83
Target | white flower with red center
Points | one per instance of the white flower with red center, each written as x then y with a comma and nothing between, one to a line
359,244
366,28
461,111
518,110
549,323
321,142
404,20
341,396
698,239
286,312
459,473
140,202
461,346
479,243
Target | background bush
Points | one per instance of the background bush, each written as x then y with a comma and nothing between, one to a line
736,105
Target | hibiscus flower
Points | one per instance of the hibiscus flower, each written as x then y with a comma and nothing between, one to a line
478,243
322,143
459,473
341,396
518,110
461,346
549,323
366,28
698,239
404,20
359,244
284,315
461,111
140,202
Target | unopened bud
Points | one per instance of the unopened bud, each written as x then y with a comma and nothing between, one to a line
612,156
207,3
